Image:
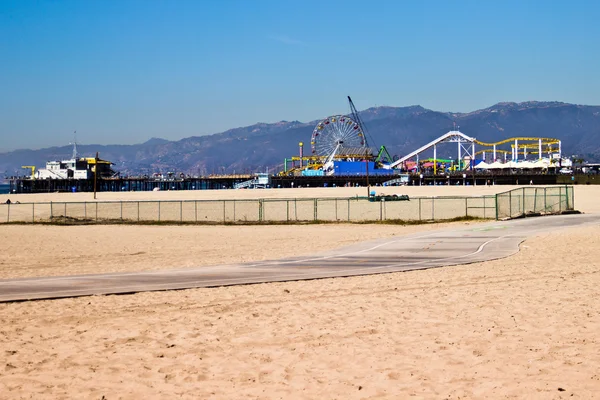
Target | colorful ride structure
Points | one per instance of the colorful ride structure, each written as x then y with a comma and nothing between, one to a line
499,154
339,146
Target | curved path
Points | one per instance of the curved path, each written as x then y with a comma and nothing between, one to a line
464,245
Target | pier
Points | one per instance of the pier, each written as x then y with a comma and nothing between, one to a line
141,184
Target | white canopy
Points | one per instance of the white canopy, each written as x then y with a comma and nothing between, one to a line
497,165
526,164
513,164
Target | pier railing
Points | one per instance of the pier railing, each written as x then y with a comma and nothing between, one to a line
511,204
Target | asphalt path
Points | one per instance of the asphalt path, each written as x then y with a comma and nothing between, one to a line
460,245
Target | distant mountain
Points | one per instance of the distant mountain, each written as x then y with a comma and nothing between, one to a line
400,129
155,141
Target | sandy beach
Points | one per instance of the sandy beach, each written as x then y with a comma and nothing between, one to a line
127,248
524,326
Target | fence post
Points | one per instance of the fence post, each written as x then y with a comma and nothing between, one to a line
234,202
545,205
180,210
138,211
159,211
51,215
287,210
381,210
196,210
33,212
224,211
510,204
348,210
85,209
260,210
8,214
560,198
419,209
567,196
65,218
96,211
335,202
315,206
433,208
573,200
573,194
466,206
485,201
535,199
496,206
121,210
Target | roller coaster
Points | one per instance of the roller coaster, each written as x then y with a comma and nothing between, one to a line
520,147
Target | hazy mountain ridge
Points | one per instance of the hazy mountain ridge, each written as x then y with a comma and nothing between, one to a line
401,129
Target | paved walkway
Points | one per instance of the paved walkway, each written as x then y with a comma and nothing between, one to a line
479,242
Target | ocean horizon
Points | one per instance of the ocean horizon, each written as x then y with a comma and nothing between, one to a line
4,188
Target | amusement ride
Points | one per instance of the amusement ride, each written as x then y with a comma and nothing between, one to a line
343,138
334,139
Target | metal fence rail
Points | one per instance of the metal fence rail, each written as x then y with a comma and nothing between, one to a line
510,204
355,209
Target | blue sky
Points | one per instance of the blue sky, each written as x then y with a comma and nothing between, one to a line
121,72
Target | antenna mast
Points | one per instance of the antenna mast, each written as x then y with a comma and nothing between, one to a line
74,145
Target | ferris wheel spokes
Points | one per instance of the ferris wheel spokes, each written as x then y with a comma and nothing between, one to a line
334,132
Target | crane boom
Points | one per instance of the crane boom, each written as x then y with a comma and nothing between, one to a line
357,119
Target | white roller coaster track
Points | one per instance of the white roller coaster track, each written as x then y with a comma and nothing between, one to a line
452,136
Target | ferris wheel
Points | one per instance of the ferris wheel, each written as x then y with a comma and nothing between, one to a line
334,131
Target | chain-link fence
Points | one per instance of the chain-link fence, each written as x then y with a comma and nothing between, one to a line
356,209
534,200
511,204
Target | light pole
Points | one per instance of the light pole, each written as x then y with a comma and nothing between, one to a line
367,170
95,174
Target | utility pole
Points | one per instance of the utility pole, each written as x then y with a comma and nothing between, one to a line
95,174
367,170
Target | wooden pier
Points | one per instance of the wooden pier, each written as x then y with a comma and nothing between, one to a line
138,184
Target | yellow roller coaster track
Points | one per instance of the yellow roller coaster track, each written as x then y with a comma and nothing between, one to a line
521,139
508,152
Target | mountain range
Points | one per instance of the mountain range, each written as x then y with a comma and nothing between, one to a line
400,129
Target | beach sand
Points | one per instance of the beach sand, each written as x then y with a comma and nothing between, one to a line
40,250
524,326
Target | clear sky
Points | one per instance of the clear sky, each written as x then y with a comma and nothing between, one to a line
121,72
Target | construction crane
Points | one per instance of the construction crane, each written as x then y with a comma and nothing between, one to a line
361,126
32,168
357,119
